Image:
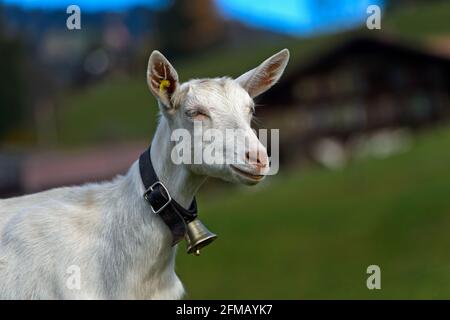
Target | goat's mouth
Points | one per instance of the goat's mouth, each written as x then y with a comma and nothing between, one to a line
246,174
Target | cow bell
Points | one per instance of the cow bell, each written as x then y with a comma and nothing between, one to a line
198,236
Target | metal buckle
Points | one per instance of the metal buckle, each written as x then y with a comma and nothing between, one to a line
150,189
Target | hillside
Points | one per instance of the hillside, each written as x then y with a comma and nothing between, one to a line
99,110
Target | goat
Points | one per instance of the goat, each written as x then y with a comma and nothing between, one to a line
105,233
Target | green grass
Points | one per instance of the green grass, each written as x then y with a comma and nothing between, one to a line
312,234
120,109
420,21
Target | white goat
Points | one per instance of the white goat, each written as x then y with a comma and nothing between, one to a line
106,231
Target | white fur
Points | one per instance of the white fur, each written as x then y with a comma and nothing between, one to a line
107,229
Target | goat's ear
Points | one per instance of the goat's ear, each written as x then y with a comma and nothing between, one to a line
162,79
260,79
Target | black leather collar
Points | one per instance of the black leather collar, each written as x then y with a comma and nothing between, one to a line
173,214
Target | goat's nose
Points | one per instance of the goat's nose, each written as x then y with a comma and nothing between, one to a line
260,161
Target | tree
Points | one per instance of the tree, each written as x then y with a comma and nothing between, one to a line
187,27
11,82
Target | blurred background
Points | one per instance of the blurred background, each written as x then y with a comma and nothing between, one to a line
363,118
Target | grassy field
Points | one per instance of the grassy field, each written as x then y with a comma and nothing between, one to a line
312,233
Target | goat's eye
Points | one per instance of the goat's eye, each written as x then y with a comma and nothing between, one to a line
195,114
191,113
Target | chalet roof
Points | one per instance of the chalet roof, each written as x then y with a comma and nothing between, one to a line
357,45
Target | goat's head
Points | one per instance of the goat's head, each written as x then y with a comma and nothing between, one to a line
220,107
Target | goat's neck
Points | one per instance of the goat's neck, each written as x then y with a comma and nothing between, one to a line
178,179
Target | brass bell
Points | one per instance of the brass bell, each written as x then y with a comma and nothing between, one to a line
198,236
